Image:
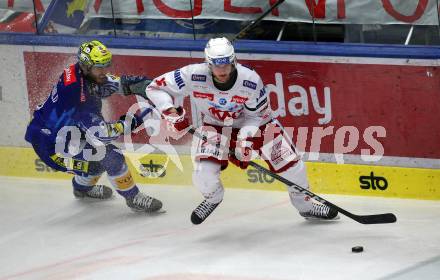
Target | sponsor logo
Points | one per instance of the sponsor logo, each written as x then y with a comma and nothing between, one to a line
125,181
200,87
69,75
257,176
373,182
276,152
223,93
178,78
203,95
223,115
222,101
198,78
279,153
239,99
220,61
153,170
249,84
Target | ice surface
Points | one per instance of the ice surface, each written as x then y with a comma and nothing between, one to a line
45,233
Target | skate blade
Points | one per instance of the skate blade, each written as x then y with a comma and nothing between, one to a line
316,219
88,199
158,212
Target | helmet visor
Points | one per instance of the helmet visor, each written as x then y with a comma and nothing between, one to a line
102,64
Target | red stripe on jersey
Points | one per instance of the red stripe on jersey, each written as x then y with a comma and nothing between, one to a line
69,75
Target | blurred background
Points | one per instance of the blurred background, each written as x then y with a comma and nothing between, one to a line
362,21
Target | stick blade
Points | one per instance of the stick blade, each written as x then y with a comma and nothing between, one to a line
386,218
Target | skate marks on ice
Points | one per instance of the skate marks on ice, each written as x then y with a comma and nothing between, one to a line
427,270
191,276
47,234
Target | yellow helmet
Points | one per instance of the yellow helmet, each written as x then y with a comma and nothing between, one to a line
94,53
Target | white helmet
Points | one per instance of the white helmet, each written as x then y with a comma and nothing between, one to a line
220,51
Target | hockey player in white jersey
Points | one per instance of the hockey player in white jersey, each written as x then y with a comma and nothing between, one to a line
236,117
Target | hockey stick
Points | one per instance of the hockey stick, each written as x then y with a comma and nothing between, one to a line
363,219
255,22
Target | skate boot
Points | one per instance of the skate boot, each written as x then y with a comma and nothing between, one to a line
203,211
144,203
97,191
320,212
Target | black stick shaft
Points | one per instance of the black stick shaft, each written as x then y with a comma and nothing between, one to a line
363,219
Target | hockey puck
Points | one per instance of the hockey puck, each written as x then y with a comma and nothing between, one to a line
357,249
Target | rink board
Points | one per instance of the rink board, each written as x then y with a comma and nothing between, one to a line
331,178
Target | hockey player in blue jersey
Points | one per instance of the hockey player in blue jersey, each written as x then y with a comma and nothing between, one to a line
69,133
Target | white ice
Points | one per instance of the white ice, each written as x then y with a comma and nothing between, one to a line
45,233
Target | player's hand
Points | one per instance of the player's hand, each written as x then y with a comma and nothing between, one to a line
131,122
240,153
134,84
176,119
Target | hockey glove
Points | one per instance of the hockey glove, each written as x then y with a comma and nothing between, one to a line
176,120
134,85
130,122
240,153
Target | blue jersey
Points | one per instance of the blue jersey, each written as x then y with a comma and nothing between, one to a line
71,103
70,120
74,101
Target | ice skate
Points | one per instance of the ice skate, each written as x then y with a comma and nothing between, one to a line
320,212
97,192
203,211
144,203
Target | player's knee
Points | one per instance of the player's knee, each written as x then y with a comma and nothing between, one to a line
114,160
206,177
95,168
297,174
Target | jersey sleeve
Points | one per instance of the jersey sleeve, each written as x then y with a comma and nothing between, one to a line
164,88
256,108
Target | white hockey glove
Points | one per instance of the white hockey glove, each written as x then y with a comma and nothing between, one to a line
176,119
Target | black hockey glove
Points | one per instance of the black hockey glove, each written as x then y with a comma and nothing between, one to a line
132,121
134,85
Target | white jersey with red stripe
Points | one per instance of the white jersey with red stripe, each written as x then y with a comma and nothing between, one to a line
245,104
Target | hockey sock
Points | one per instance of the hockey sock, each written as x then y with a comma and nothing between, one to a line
124,183
84,183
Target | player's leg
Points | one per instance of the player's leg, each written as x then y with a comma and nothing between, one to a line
206,178
122,180
206,175
307,207
283,158
86,173
84,183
